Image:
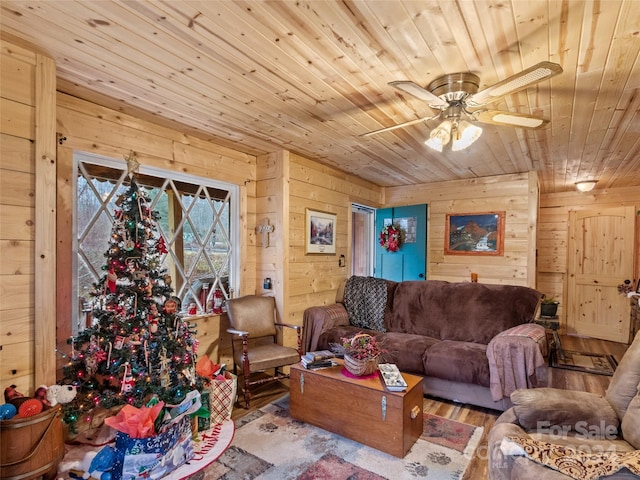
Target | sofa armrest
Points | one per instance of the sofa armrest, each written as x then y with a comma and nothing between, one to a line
514,356
319,319
545,407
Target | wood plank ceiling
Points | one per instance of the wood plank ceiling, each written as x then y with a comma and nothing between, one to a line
312,76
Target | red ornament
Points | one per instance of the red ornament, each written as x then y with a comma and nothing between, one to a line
161,246
111,280
30,407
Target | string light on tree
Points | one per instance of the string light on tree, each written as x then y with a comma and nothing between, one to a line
137,345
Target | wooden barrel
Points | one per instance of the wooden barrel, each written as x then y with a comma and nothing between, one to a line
32,446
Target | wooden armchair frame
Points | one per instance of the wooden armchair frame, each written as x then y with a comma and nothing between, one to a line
246,364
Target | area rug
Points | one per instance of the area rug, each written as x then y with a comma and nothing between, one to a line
597,363
270,445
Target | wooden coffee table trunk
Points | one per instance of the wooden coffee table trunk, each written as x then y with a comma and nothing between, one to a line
359,409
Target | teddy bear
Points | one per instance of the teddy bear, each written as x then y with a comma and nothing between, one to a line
56,394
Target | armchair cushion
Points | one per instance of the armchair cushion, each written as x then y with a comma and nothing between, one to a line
574,410
631,422
264,357
574,463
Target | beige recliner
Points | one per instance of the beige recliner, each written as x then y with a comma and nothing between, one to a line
542,435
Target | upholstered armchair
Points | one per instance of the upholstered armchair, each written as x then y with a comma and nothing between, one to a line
255,343
553,434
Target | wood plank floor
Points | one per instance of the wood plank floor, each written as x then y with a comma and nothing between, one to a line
565,379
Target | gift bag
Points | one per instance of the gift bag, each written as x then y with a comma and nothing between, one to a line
153,457
222,396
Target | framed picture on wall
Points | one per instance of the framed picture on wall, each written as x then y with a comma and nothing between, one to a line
474,234
320,232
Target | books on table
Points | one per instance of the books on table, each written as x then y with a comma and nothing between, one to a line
391,377
318,359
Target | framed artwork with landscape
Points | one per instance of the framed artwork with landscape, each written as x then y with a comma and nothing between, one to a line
320,232
474,234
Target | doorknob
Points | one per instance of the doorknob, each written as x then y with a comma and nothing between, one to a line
421,275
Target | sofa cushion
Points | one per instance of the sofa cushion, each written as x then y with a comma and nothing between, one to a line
631,422
406,350
457,361
466,312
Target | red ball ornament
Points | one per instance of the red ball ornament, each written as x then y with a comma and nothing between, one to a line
30,407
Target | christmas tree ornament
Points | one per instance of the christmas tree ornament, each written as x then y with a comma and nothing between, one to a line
7,411
135,346
127,380
30,407
161,246
170,307
111,280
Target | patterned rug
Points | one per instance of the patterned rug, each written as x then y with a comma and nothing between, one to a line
597,363
270,445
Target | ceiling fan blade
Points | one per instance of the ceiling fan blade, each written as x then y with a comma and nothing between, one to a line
400,125
419,92
515,83
498,117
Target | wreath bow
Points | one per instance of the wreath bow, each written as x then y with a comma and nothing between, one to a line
390,238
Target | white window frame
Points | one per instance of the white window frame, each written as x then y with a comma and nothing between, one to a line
234,215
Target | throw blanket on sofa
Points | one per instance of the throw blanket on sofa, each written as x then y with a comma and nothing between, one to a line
365,299
514,356
574,463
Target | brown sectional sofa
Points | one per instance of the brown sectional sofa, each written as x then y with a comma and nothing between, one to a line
434,328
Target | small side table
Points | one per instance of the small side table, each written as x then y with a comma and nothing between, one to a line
553,324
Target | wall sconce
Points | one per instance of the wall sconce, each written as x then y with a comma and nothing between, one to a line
586,185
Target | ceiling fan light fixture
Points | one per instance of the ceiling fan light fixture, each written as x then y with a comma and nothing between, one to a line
440,136
465,135
586,185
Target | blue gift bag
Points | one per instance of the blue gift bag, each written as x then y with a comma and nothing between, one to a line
153,457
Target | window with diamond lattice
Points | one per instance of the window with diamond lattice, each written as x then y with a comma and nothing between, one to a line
198,221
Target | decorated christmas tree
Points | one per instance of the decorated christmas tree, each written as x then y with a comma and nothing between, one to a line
138,346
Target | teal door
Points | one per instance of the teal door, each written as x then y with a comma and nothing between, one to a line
410,261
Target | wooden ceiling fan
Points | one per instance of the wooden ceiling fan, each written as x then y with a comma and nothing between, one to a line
456,99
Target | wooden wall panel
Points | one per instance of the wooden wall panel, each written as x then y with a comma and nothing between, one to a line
19,70
16,77
16,154
17,119
512,194
314,279
553,235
